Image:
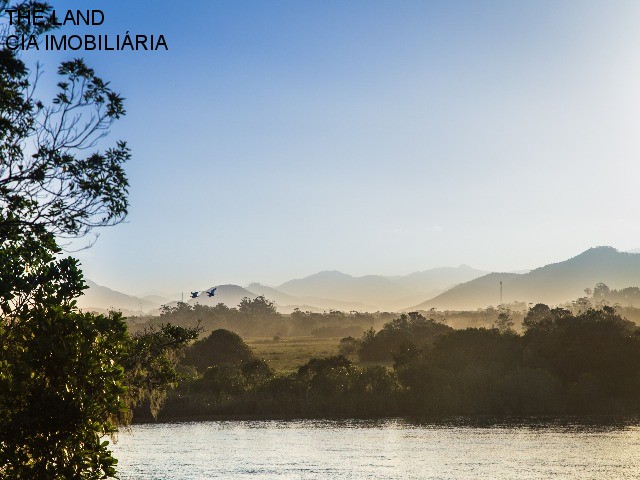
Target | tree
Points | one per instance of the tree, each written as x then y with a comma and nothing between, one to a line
411,328
149,359
258,307
504,322
537,316
348,346
60,392
221,346
67,378
50,187
601,291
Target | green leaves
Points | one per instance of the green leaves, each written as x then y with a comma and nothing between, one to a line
60,186
60,393
62,381
149,360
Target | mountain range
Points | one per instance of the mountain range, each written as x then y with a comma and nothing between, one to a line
102,299
383,293
448,288
552,284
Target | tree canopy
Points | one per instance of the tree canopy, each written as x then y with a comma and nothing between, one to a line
67,378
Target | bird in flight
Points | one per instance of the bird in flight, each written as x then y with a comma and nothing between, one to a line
195,294
211,292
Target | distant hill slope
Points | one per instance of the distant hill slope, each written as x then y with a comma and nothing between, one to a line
159,299
552,284
286,303
103,299
376,290
340,286
439,278
273,294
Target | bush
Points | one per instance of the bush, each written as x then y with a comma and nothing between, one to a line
221,346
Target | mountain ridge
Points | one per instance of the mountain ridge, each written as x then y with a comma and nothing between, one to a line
552,284
449,288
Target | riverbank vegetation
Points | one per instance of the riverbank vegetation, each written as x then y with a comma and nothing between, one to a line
561,363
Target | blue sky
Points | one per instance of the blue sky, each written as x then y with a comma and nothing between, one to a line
276,139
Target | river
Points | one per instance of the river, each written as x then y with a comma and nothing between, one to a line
385,449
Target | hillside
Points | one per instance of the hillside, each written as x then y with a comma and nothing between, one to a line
380,292
287,303
102,299
552,284
468,289
340,286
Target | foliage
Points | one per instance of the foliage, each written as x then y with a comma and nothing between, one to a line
67,378
348,346
258,307
322,386
625,297
564,363
221,346
60,392
149,360
409,329
504,322
258,318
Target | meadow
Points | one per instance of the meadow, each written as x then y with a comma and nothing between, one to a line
288,353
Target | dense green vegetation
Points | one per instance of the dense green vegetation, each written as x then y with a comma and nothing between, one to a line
563,362
408,332
67,378
259,318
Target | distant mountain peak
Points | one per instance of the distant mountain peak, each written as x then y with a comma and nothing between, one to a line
331,274
599,254
600,250
552,284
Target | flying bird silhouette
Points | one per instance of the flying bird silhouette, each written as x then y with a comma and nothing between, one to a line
211,292
195,294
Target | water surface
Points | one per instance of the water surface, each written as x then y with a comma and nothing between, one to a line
393,449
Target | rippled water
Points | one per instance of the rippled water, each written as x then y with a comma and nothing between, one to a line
381,449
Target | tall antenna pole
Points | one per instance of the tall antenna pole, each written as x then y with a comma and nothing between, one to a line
500,292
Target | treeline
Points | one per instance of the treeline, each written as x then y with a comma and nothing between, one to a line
222,377
563,363
483,317
259,318
410,331
625,300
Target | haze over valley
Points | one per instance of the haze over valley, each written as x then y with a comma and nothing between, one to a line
447,288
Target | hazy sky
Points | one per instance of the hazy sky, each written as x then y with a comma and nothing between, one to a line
276,139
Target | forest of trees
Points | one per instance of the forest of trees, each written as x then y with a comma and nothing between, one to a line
259,318
562,363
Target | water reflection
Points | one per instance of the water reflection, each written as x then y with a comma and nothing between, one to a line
453,448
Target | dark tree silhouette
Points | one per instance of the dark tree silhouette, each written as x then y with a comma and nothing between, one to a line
221,346
63,384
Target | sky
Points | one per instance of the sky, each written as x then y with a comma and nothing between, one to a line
276,139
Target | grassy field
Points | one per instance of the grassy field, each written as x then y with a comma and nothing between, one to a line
287,354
